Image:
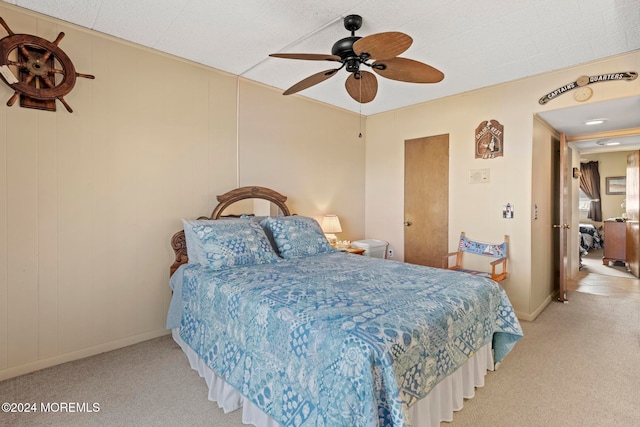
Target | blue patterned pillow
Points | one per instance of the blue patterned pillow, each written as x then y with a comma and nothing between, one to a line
221,244
297,236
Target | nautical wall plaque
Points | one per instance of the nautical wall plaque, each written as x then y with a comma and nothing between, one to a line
489,139
583,81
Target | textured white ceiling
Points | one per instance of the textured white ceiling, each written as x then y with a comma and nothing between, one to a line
618,114
476,43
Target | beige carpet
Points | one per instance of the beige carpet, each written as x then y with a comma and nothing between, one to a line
592,263
578,365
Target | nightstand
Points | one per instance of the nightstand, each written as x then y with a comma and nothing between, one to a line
356,251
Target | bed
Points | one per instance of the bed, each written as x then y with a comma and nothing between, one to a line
298,334
590,238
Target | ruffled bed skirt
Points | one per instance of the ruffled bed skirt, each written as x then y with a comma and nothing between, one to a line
447,397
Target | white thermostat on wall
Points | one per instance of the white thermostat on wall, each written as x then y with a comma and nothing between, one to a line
479,176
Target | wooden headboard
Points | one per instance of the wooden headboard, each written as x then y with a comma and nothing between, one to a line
178,241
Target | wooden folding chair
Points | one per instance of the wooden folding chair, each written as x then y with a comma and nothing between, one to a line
497,252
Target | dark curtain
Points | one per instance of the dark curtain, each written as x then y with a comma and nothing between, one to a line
590,184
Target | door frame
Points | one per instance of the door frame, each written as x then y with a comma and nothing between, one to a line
564,224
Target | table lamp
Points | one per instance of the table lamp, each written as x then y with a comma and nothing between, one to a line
330,226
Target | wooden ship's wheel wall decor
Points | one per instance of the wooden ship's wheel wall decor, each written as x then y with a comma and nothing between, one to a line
37,70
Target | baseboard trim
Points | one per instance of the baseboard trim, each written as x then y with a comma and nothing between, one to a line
27,368
530,317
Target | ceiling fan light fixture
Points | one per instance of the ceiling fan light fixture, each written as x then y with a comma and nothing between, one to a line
353,65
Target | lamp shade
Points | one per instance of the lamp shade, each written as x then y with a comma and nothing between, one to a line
331,224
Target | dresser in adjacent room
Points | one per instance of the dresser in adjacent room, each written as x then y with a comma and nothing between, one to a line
615,242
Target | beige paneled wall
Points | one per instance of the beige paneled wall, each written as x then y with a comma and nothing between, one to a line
476,208
90,200
473,208
307,151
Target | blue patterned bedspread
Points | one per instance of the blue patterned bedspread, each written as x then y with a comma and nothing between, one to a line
337,339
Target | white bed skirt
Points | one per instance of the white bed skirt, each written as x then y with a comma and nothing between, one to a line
447,397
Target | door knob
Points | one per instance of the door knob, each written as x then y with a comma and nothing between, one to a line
408,223
567,226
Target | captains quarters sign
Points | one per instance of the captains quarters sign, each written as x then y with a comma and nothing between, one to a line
489,139
587,80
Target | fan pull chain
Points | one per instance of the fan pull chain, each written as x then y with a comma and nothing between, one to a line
360,109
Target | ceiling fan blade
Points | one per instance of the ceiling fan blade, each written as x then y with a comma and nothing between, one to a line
364,89
307,56
407,70
310,81
383,45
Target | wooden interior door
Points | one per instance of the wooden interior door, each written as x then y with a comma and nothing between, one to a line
426,200
633,214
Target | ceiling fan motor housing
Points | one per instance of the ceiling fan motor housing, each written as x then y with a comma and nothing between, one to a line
344,49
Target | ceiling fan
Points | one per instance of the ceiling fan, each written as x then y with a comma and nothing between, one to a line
378,51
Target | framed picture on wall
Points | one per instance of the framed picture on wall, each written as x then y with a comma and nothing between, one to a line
616,185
